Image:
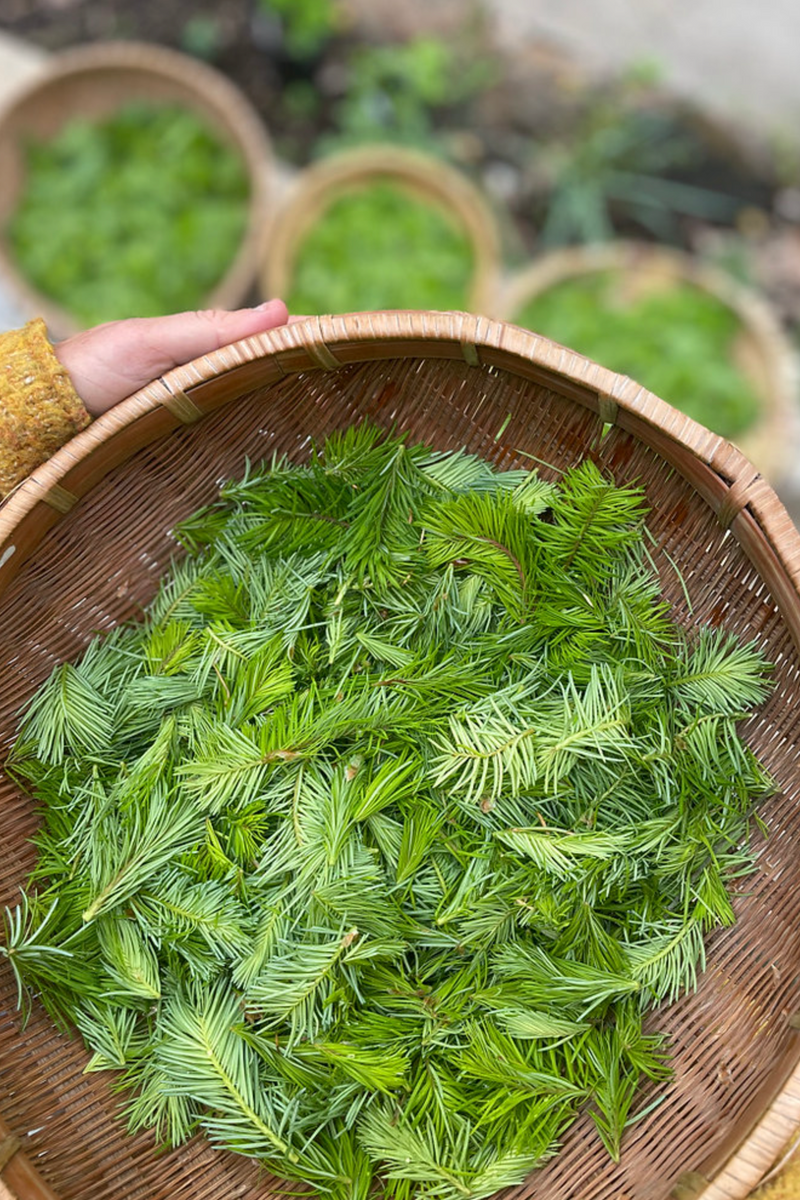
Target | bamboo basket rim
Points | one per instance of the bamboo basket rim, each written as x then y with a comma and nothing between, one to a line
205,90
778,390
742,501
719,471
316,187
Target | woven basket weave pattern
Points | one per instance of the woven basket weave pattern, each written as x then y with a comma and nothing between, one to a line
99,563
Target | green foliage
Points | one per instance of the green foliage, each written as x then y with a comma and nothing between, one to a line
307,24
367,850
617,162
203,36
136,215
396,91
378,248
678,341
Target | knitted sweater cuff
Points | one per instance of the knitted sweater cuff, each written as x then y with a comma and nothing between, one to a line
39,407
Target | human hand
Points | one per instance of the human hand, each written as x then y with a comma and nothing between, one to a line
111,361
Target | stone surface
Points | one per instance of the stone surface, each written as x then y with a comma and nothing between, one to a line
19,62
732,58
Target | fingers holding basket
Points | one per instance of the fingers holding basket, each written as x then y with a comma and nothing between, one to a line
111,361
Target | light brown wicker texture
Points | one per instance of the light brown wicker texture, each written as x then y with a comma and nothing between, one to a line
762,351
90,537
92,82
420,175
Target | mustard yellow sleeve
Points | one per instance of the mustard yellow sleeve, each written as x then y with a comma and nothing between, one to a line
785,1186
39,407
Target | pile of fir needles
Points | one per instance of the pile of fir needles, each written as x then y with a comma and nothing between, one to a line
368,849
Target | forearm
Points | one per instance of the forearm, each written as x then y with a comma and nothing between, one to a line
39,407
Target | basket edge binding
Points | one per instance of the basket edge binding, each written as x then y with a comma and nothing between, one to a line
741,500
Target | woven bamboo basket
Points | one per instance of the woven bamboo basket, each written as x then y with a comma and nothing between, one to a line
420,175
93,82
84,541
762,351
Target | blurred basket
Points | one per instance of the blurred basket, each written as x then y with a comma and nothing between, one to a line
93,82
84,541
763,352
420,175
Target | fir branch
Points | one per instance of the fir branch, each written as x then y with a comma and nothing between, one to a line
556,850
491,534
174,908
529,1025
719,675
369,846
130,960
667,964
590,723
297,986
415,1154
154,838
32,957
380,540
67,713
114,1035
173,1119
379,1070
494,1057
594,524
203,1059
485,753
549,981
457,471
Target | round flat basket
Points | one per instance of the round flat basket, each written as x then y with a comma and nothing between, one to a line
85,540
419,175
94,82
762,351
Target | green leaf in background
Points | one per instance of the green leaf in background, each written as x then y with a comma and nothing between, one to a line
137,215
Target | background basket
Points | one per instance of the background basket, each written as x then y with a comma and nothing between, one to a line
84,541
764,353
421,175
93,82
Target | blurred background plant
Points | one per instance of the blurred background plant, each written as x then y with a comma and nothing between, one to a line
573,161
305,26
566,157
674,337
404,92
93,233
615,167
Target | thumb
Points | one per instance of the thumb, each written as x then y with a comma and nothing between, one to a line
111,361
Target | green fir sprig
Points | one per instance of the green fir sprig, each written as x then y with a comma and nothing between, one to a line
369,848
